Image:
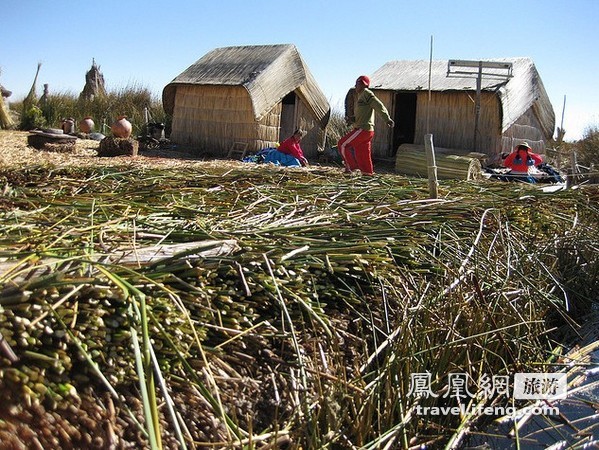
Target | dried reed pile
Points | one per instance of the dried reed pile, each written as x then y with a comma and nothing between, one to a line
302,333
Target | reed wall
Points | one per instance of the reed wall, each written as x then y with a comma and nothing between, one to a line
451,117
314,138
267,129
526,128
209,119
382,143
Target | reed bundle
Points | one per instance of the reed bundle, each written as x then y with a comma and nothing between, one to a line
6,121
411,161
304,334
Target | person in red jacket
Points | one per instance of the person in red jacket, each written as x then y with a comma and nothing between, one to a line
523,163
291,146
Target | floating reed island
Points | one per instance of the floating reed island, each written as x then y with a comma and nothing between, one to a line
152,303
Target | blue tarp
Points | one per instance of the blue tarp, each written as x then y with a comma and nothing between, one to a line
273,156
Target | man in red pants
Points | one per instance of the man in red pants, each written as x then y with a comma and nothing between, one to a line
355,147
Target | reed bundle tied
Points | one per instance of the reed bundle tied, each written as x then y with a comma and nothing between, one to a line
303,331
411,161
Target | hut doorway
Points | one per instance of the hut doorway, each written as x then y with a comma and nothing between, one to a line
288,116
404,116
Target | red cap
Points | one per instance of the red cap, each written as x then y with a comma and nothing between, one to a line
364,79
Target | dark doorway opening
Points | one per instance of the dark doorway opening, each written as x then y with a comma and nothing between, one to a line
405,119
288,116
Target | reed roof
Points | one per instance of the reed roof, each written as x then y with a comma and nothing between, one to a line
519,93
267,72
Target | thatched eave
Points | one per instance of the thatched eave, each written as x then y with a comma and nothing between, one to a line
267,72
526,92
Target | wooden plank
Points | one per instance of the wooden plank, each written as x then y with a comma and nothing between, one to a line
13,273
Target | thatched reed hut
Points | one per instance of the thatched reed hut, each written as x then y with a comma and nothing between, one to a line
257,95
514,106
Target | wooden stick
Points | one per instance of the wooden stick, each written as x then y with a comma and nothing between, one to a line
433,184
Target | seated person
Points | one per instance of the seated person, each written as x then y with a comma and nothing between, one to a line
291,146
523,163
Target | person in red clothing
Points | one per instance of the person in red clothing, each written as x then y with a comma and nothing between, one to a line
523,163
355,146
291,146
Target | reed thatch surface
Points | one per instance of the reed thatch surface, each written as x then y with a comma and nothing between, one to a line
304,335
267,72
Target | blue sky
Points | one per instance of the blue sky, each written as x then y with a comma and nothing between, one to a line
149,43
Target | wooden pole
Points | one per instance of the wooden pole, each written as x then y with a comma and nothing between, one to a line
147,120
428,105
563,113
428,138
479,79
574,162
560,137
433,184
